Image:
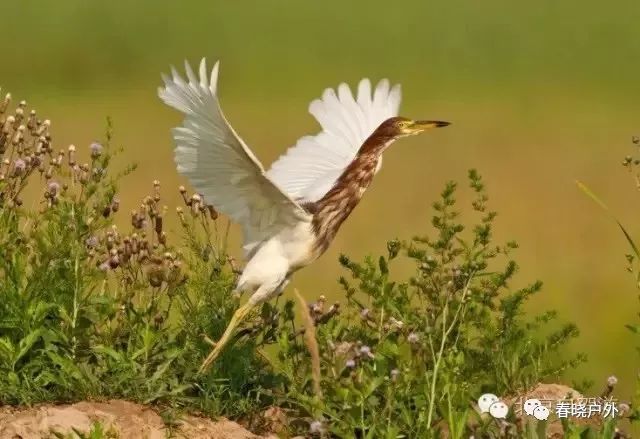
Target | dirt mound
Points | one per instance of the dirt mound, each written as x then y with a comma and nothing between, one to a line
121,419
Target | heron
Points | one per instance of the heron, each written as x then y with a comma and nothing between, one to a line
290,213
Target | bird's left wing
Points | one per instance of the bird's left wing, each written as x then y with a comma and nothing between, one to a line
310,168
218,163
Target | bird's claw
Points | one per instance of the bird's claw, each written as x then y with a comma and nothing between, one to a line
211,357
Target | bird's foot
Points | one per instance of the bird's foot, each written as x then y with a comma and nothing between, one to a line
211,357
237,318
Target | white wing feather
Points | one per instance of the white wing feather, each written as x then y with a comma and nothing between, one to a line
308,170
218,163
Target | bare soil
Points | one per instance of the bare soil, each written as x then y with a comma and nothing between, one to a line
121,419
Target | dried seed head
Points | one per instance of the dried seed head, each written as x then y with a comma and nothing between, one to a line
19,167
32,122
195,204
213,213
180,213
53,187
92,241
96,150
5,103
72,155
316,427
115,204
114,261
156,276
8,124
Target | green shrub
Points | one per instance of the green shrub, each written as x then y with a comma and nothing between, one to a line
409,357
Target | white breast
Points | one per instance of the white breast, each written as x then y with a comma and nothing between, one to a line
276,258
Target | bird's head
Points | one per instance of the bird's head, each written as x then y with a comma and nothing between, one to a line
397,127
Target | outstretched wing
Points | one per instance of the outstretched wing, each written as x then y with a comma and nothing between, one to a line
219,165
308,170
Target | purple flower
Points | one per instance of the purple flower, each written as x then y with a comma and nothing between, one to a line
350,364
413,338
91,242
365,351
104,266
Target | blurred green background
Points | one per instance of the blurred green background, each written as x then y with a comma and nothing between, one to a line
539,93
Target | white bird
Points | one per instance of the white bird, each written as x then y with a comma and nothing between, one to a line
290,213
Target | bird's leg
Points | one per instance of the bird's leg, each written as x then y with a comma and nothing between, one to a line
237,318
282,286
280,289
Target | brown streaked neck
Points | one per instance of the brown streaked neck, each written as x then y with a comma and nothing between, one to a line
331,210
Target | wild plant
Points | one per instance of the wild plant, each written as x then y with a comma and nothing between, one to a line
91,311
408,357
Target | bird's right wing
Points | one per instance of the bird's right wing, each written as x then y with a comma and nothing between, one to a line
218,163
308,170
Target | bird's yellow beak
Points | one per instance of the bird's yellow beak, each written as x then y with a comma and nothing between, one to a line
419,126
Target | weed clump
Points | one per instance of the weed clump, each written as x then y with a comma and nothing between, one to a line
91,311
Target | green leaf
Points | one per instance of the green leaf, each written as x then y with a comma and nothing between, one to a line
106,350
384,268
600,203
26,343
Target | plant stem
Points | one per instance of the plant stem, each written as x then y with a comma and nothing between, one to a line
445,333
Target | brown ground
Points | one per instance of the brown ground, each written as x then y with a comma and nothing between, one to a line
122,419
